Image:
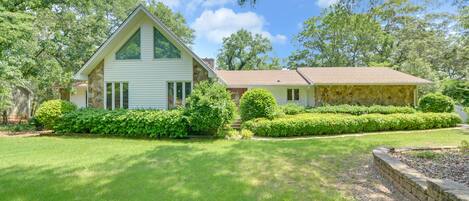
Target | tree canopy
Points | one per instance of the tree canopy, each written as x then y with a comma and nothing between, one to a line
243,50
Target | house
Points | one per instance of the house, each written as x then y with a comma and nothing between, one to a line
145,65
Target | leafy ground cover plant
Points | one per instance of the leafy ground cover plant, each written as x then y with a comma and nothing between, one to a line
292,108
329,124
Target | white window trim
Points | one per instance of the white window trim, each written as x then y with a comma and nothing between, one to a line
293,95
113,99
174,83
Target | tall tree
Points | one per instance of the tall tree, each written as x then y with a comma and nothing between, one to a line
244,51
174,21
340,37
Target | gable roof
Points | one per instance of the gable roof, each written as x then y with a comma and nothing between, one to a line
358,76
319,76
99,54
261,78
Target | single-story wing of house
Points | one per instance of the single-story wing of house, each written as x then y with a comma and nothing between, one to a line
143,65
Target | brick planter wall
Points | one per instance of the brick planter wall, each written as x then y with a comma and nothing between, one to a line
415,185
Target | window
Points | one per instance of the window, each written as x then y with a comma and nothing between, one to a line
293,94
117,95
163,48
131,48
177,93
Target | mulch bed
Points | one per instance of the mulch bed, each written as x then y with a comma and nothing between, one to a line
440,164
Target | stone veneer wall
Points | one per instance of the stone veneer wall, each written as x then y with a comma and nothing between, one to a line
400,95
415,186
96,87
199,72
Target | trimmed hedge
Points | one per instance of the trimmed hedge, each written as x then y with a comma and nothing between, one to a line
436,102
257,103
49,112
131,123
328,124
359,110
292,108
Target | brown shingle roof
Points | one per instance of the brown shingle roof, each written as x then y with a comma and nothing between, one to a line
358,75
261,77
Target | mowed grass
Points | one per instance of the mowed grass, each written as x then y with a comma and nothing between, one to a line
93,168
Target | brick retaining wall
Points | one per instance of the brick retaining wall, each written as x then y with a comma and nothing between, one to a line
415,185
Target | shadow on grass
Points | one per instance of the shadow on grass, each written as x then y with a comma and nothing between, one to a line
194,170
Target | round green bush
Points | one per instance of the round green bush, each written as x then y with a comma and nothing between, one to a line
49,112
209,108
435,102
257,103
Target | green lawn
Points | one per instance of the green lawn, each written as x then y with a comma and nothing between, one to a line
88,168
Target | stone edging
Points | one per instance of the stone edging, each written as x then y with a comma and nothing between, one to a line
413,184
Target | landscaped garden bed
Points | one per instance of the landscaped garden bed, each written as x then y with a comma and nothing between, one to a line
426,173
449,164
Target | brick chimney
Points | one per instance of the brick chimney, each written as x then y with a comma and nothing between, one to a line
210,62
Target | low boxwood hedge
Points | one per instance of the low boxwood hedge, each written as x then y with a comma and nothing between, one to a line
328,124
359,110
131,123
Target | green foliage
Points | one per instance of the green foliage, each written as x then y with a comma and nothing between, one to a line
292,108
209,107
256,103
458,90
246,134
129,123
243,51
339,37
17,127
50,112
464,147
359,110
429,155
436,102
329,124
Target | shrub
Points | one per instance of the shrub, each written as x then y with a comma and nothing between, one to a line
50,112
256,103
326,124
359,110
130,123
209,108
435,102
458,90
292,108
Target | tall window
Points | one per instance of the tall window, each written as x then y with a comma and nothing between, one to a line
131,48
117,95
163,48
293,94
177,93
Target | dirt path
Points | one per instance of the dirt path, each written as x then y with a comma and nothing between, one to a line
23,134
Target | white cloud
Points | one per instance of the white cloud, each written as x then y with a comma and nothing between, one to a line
326,3
193,5
215,25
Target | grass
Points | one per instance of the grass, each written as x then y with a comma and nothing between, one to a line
92,168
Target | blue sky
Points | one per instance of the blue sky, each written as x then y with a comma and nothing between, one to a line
276,19
279,20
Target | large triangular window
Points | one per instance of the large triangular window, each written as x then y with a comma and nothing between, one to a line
163,48
131,48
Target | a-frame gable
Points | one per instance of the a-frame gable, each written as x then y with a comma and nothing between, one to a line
100,53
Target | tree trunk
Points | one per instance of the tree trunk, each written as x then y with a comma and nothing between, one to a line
4,117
